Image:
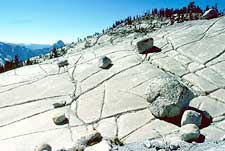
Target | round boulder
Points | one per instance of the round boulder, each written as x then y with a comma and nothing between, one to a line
167,96
189,132
104,62
191,117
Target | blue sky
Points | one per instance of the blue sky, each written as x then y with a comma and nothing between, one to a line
46,21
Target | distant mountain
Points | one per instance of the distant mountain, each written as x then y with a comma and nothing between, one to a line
59,44
35,46
9,50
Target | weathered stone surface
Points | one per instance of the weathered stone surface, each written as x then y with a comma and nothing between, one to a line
171,65
200,82
182,59
212,76
192,50
129,122
144,45
212,133
189,132
113,101
104,62
167,96
123,101
155,129
219,94
92,101
194,66
220,68
107,128
102,146
205,103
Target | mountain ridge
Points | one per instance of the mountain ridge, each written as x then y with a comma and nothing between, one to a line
9,50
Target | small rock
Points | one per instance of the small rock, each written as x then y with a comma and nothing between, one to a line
102,146
93,138
189,132
173,147
62,63
59,104
158,144
147,144
167,96
191,117
104,62
43,147
144,45
223,138
60,119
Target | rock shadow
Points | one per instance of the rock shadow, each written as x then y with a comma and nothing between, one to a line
200,139
154,49
108,67
206,118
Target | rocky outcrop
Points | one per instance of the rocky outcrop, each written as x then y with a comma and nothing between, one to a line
167,96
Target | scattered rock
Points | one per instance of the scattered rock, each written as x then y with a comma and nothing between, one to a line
93,138
144,45
157,144
147,144
189,132
59,104
167,96
43,147
102,146
63,63
60,119
210,14
191,117
104,62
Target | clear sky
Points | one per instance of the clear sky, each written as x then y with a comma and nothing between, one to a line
46,21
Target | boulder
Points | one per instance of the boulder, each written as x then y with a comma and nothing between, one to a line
104,62
144,45
210,14
191,117
60,119
43,147
167,96
189,132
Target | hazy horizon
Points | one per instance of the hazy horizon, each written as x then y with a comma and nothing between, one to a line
47,21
